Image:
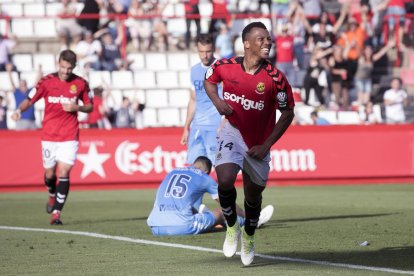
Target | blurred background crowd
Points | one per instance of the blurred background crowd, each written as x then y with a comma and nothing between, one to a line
349,61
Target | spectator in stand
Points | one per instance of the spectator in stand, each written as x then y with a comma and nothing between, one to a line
111,56
220,15
314,74
88,52
138,109
6,46
192,13
368,116
395,99
284,53
318,121
3,112
353,39
119,6
378,9
124,117
395,13
339,77
90,8
140,29
224,43
97,118
27,119
363,76
68,28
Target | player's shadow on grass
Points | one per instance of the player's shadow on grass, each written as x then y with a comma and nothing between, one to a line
400,258
277,222
89,221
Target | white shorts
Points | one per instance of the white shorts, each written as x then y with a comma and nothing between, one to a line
231,148
53,152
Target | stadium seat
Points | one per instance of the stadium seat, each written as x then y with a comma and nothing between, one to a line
155,61
122,79
144,79
206,9
179,9
12,9
348,118
176,27
34,9
178,97
169,117
99,78
156,98
45,28
302,113
194,59
138,61
23,62
150,117
48,62
22,27
115,99
184,79
168,10
53,9
135,95
178,61
167,79
5,82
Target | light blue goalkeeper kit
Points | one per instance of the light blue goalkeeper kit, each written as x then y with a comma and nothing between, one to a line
174,208
203,130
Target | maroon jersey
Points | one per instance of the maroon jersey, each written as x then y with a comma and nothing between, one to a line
254,98
59,125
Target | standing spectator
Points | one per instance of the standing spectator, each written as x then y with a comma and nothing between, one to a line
395,99
90,8
254,89
97,118
60,128
3,113
363,76
224,43
111,56
312,10
68,28
378,9
6,45
124,115
27,120
279,10
140,28
368,116
339,77
284,53
192,13
220,15
203,120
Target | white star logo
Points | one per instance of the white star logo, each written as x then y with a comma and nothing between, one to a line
92,161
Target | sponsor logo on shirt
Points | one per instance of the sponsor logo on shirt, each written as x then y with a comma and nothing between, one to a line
209,72
61,100
246,103
282,98
260,87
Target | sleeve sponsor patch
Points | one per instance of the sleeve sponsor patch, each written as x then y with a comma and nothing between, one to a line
282,99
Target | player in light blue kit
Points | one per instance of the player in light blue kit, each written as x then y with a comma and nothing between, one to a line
174,212
203,120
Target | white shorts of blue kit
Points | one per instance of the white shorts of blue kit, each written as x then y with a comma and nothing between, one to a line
202,223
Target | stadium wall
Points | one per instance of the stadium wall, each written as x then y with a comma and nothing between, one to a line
141,157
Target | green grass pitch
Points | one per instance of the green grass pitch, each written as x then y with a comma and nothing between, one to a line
325,224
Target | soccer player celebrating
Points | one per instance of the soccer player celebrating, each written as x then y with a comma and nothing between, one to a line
203,119
252,91
60,127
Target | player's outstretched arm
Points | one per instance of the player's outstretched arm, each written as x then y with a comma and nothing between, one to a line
23,106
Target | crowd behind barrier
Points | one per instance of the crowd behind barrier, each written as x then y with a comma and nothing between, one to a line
340,57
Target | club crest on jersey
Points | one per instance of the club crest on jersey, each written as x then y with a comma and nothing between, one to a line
282,98
73,89
260,87
209,72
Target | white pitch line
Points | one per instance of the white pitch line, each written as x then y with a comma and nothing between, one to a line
199,248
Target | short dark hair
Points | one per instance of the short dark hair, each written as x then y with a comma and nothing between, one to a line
204,39
206,162
398,79
250,26
69,56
